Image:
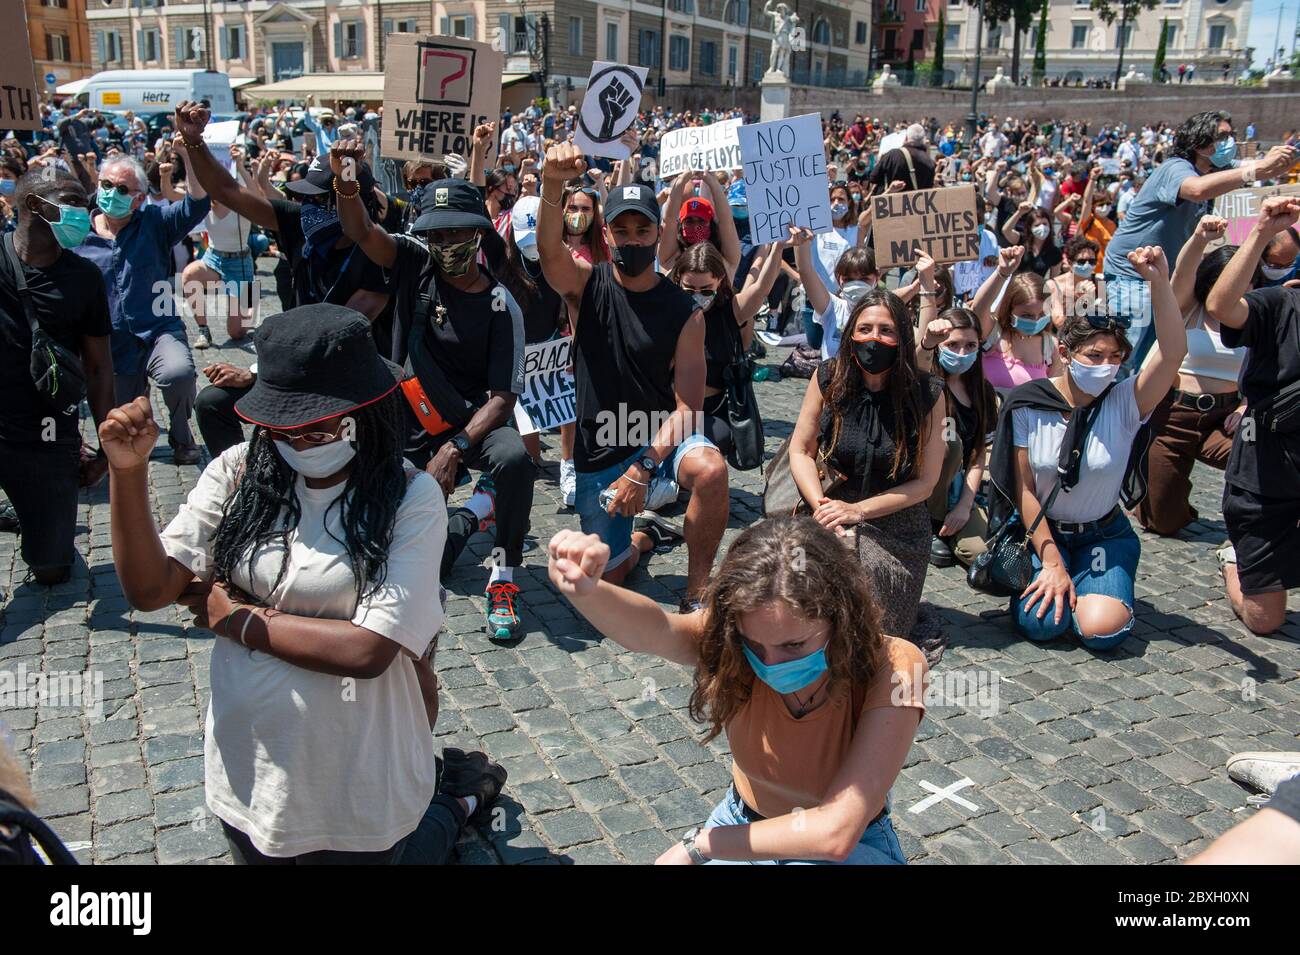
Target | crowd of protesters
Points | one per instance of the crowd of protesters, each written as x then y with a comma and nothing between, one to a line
1060,386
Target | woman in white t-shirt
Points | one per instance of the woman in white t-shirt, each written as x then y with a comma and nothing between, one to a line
1085,552
312,553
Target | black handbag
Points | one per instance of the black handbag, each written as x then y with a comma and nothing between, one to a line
1006,567
56,371
743,418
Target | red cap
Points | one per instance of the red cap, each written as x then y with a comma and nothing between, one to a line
698,208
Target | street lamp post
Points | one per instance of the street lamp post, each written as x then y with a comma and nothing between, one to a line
973,118
207,33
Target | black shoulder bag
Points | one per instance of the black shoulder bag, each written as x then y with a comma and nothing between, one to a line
1006,567
18,827
56,371
743,418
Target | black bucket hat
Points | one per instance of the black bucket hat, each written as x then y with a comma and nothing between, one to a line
315,362
451,204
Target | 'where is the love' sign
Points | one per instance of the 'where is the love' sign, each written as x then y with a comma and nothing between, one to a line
940,221
785,177
436,90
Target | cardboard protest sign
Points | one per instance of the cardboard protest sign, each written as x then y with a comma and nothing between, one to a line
890,142
220,137
549,399
705,148
1109,167
941,221
1241,208
785,177
20,101
609,107
436,90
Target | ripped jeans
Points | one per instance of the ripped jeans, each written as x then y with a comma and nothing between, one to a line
1102,561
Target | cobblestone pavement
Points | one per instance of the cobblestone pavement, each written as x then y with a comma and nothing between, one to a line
1085,758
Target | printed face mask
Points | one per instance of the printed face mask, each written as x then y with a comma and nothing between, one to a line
695,232
956,364
704,299
112,203
73,225
875,356
839,210
455,258
791,676
320,461
576,223
1092,379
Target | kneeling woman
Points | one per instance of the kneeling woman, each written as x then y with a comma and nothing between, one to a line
312,553
818,706
869,415
1085,552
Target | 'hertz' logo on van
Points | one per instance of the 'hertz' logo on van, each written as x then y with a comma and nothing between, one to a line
157,97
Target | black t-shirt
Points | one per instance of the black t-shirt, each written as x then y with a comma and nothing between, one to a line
543,310
71,304
335,279
1042,261
719,340
866,434
965,418
893,167
623,352
1269,465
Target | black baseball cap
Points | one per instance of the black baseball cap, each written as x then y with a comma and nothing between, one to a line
451,204
315,362
319,178
632,198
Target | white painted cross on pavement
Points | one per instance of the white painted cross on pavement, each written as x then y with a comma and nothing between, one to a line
948,792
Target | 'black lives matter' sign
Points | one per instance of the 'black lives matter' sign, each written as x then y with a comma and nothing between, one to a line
940,221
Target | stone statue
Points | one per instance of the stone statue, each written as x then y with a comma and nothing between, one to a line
999,80
886,78
784,24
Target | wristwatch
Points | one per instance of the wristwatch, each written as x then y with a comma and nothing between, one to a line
688,843
461,444
648,464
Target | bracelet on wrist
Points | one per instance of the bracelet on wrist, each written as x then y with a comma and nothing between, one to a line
346,195
632,480
249,614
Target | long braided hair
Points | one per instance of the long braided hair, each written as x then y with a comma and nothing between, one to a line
263,507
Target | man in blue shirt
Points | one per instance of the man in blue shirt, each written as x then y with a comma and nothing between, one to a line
325,130
1172,200
131,243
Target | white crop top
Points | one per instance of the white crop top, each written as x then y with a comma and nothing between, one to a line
1207,356
229,233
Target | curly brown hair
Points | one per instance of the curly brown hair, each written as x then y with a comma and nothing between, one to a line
797,561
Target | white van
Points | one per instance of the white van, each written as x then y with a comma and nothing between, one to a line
145,92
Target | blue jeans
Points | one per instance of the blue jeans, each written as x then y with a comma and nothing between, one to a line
811,329
616,530
1131,299
878,845
1102,562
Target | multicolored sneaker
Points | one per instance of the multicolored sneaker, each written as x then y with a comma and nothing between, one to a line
486,485
502,617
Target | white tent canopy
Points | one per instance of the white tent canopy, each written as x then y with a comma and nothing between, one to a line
322,85
73,88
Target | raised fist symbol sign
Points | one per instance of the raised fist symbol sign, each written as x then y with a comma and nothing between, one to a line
614,101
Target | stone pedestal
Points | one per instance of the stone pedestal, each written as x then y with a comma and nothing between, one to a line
775,97
1133,78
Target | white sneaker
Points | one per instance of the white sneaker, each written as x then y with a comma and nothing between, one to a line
202,341
662,492
568,482
1263,771
1227,554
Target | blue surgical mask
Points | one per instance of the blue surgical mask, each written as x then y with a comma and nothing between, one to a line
112,203
7,186
1092,379
956,364
1225,151
1029,326
791,676
73,225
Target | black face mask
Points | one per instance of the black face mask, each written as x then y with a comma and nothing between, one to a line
875,356
632,260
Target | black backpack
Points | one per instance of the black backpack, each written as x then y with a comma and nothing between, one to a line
18,827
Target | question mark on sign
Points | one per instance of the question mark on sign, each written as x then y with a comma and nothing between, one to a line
464,65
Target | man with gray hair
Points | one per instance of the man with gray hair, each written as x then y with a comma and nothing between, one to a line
131,243
907,167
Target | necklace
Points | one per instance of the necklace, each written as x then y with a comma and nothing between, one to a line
803,707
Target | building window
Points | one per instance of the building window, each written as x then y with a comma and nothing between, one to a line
736,12
822,32
921,5
679,53
918,38
59,4
681,6
951,34
891,43
462,26
1124,36
110,46
232,41
860,33
994,37
1217,32
575,36
709,58
757,63
187,44
515,33
733,54
56,47
350,39
1079,37
648,47
1171,35
150,46
1173,3
611,42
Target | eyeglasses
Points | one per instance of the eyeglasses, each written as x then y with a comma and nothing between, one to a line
309,437
120,188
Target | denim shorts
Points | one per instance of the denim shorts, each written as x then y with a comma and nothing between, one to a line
231,268
1102,562
878,845
616,531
